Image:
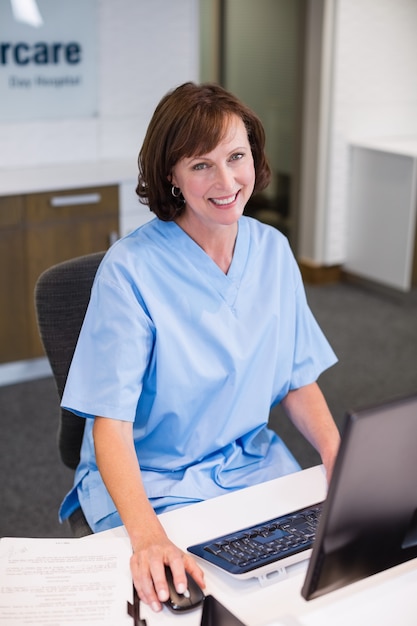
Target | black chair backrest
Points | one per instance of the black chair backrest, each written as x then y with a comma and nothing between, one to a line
62,294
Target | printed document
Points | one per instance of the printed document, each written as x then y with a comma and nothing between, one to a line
64,582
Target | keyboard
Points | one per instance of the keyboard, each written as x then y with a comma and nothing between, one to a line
266,547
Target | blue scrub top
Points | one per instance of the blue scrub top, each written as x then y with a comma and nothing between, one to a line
195,359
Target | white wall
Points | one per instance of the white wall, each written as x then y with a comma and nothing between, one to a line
146,47
318,57
374,95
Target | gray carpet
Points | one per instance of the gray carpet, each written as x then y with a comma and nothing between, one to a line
374,336
33,478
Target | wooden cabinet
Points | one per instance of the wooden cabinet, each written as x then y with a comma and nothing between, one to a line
36,231
14,335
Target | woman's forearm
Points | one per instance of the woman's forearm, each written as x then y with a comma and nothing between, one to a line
152,549
308,410
119,468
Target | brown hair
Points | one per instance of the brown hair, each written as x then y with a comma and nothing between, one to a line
190,121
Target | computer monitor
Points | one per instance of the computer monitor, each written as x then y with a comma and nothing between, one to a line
215,614
369,518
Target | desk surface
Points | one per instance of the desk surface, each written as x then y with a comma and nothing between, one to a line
406,146
383,599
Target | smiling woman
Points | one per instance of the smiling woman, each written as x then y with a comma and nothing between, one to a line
216,186
189,123
197,325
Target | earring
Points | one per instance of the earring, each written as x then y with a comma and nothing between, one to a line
176,191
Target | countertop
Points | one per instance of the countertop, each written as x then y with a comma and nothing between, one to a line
404,145
62,176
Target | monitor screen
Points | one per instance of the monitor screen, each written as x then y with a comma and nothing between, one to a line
369,519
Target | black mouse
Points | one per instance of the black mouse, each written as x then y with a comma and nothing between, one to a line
178,602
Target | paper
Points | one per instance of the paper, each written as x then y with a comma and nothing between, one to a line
64,582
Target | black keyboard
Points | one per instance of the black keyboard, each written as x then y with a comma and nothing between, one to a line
253,547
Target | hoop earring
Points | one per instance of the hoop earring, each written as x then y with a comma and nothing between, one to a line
176,191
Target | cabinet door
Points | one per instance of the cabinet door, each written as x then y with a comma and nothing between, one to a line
14,336
64,225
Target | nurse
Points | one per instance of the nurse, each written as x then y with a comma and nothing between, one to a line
197,325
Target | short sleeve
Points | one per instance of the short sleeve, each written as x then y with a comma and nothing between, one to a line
111,356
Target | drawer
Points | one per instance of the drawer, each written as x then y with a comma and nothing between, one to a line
72,204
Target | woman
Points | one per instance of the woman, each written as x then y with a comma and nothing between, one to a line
197,325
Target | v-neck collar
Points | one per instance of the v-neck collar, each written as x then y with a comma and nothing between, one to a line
227,285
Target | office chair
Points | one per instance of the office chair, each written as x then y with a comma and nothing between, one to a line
62,293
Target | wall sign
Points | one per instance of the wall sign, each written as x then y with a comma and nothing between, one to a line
49,71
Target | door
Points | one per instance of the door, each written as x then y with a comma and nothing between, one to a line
255,49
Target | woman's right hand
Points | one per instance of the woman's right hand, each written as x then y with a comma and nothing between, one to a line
147,565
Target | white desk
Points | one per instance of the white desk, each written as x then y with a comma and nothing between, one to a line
383,599
382,212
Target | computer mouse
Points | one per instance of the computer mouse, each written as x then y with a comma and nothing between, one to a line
178,602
